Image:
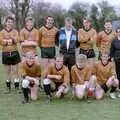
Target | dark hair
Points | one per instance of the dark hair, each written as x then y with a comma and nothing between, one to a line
107,21
118,28
29,18
9,18
68,19
87,20
48,17
59,56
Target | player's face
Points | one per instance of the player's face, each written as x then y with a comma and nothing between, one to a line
50,22
104,59
29,24
108,26
68,24
30,60
86,24
9,24
59,63
80,63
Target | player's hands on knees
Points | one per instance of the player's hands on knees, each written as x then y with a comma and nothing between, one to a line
27,77
58,77
58,94
113,77
9,41
73,91
30,78
5,42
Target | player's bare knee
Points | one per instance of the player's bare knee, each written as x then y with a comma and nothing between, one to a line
116,83
66,90
80,95
99,97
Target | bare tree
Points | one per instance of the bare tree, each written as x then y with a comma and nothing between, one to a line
20,9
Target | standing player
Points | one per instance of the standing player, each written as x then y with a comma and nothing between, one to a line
115,53
10,55
29,37
30,72
56,78
105,38
47,40
87,38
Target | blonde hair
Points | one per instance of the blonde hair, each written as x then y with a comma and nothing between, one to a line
81,57
29,18
30,55
59,56
105,53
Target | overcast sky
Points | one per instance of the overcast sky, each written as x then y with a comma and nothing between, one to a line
67,3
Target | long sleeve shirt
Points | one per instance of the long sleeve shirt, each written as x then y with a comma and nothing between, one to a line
115,49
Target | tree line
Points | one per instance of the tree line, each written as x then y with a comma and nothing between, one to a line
98,12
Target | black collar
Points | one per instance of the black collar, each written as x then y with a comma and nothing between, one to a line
29,30
29,65
87,29
48,28
108,33
8,30
105,64
79,68
58,69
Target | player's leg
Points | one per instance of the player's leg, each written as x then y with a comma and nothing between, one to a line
62,90
47,88
113,84
6,61
80,91
25,87
8,74
100,91
15,68
34,90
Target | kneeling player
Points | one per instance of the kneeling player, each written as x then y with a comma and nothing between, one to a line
82,79
106,77
56,78
31,72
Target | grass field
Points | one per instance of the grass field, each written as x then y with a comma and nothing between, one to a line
67,109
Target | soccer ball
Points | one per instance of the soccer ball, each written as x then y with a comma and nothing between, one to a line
90,92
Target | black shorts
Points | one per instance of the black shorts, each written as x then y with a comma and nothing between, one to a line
105,88
48,52
10,58
89,53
